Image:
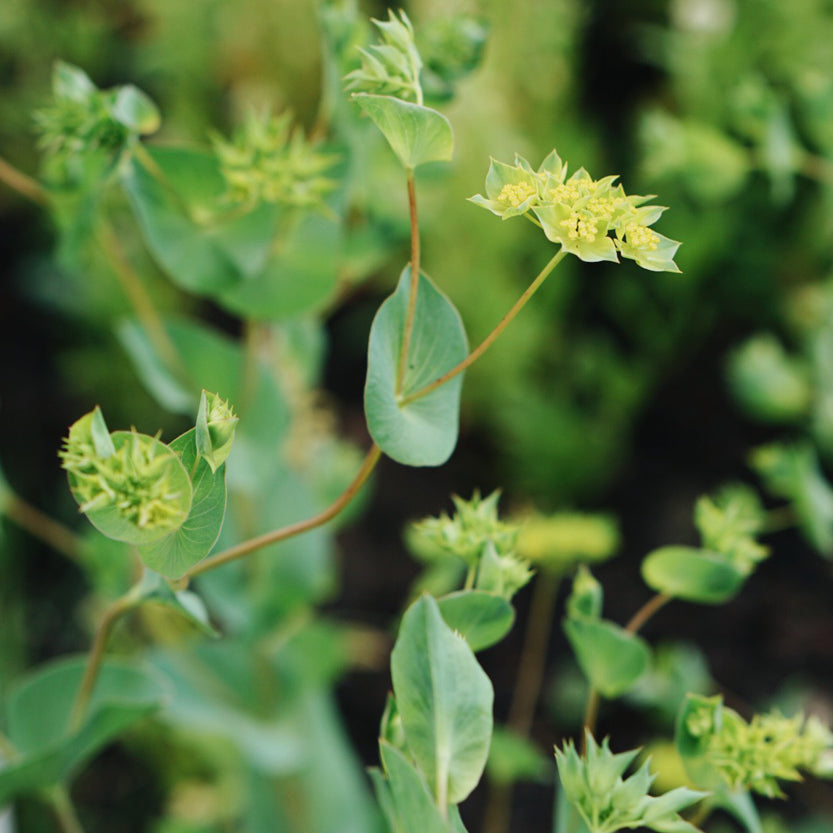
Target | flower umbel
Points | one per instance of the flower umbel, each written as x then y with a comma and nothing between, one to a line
270,161
592,219
594,786
756,754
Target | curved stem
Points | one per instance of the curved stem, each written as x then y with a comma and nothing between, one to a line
64,811
488,341
85,690
139,299
23,184
413,288
296,528
61,538
647,611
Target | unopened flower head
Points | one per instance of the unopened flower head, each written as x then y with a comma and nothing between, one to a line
474,524
270,161
592,219
607,802
755,755
392,66
133,473
216,423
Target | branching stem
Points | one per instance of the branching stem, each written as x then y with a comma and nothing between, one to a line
102,635
61,538
489,340
23,184
647,610
297,528
64,811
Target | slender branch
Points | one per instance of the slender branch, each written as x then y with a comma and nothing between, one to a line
64,811
139,299
23,184
414,286
647,610
85,690
781,518
488,341
591,714
527,691
276,535
61,538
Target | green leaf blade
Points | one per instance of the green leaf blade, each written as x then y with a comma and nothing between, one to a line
416,134
445,702
481,618
692,574
179,551
422,432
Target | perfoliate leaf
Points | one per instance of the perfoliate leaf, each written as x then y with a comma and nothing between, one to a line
444,700
417,134
422,432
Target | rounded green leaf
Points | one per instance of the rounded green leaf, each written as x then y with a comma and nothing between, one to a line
39,710
299,278
482,619
111,521
422,432
417,134
445,702
135,110
692,574
174,555
611,658
189,256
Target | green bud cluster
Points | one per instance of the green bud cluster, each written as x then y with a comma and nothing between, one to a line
134,474
756,754
593,784
84,119
391,67
593,219
216,423
728,523
268,160
477,535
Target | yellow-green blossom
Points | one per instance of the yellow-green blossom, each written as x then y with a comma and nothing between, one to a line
592,219
755,755
268,160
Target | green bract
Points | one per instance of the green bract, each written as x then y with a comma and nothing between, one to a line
216,422
391,67
594,786
592,219
131,486
714,739
268,160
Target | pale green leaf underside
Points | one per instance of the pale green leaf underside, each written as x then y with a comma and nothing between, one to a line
691,574
423,432
444,700
417,134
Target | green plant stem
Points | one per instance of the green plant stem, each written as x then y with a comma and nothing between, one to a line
591,714
61,538
64,811
647,610
489,340
297,528
781,518
102,635
139,299
23,184
410,313
527,691
7,750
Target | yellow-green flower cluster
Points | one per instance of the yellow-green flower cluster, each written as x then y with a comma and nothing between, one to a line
391,67
476,535
134,474
269,161
754,755
607,802
593,219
